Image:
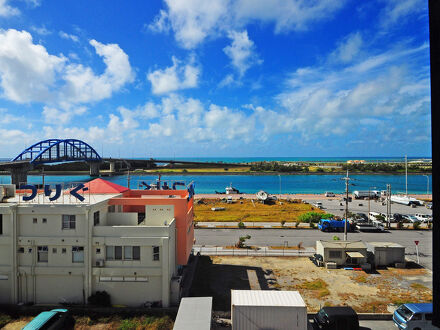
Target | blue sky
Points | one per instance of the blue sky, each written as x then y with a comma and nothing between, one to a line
217,78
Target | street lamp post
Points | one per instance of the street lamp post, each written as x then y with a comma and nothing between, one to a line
369,199
427,184
279,176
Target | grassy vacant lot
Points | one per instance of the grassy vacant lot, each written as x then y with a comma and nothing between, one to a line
246,210
113,322
216,276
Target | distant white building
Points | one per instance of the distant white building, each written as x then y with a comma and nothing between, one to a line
64,252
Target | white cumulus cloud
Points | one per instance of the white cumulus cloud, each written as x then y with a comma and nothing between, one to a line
68,36
27,70
241,52
176,77
6,10
195,20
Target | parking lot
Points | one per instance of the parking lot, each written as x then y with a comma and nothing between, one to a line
337,207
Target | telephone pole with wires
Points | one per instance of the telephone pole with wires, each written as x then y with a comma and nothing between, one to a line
347,180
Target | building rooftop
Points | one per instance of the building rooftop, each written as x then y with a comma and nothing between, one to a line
266,298
65,199
385,244
101,186
194,313
343,244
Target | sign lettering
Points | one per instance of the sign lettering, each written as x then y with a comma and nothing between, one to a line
75,192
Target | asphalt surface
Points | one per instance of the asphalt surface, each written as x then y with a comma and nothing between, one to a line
308,237
358,205
367,325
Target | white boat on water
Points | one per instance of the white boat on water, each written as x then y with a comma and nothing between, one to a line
231,190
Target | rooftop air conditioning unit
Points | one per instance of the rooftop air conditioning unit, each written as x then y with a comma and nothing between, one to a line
100,263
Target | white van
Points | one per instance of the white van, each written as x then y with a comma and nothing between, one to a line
423,217
318,205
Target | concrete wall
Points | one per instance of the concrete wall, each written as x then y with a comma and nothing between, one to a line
58,289
156,215
122,219
385,256
131,293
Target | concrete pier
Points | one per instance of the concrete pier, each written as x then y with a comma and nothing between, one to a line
112,167
94,169
19,174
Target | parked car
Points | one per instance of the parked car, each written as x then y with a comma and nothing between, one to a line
414,316
53,320
336,318
329,194
398,217
361,215
318,205
410,218
423,217
429,205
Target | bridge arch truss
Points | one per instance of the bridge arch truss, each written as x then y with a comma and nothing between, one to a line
57,151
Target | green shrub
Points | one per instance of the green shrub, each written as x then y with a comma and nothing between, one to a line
100,298
416,225
4,319
242,240
314,217
336,238
400,225
241,225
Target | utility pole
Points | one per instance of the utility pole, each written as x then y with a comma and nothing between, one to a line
346,179
279,176
389,206
406,176
369,202
427,185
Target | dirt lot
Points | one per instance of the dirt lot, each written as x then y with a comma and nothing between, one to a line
246,210
371,292
103,323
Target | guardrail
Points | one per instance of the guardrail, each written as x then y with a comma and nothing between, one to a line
252,252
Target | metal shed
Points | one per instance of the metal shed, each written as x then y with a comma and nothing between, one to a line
194,313
275,310
342,253
386,253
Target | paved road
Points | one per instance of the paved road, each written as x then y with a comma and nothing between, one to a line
333,206
278,237
368,325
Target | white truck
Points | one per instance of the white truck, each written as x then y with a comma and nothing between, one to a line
361,194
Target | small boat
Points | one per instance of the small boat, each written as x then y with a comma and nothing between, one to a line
405,200
231,190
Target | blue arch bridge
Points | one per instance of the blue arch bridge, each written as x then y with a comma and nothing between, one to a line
72,150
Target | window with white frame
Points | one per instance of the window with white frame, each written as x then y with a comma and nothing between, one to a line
43,254
156,253
77,254
69,221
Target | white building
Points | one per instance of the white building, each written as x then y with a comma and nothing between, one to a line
55,252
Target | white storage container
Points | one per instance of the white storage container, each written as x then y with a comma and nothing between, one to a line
274,310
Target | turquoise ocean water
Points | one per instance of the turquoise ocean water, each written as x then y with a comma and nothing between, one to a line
417,184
